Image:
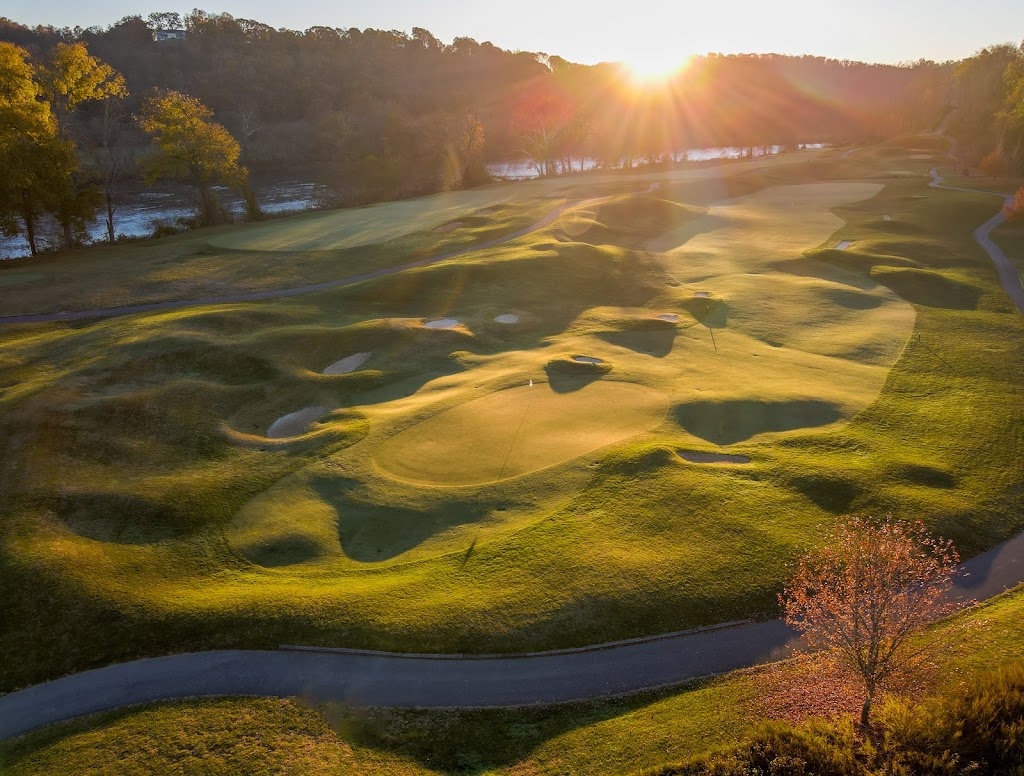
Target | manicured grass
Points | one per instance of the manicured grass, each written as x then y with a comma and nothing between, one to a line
245,735
142,489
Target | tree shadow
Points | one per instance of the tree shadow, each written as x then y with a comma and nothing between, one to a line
728,422
369,533
565,376
651,342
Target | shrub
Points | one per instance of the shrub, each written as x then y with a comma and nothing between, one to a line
994,165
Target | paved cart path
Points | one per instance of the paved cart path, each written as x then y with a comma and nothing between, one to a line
445,681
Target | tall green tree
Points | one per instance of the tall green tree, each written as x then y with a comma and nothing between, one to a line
187,145
71,77
34,160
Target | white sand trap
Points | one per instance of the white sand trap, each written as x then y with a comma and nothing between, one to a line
702,294
294,424
507,318
442,323
844,244
449,227
668,317
347,364
587,360
694,457
887,217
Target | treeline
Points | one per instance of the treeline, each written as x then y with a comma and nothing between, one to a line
51,167
988,91
376,100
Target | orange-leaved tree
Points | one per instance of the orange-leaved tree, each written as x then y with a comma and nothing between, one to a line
866,593
1014,209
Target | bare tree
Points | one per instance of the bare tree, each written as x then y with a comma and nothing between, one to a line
112,157
867,592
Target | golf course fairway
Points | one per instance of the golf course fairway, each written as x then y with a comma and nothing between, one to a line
635,413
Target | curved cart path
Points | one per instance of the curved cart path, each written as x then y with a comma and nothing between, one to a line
399,680
1007,271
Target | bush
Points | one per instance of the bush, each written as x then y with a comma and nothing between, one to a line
1015,209
994,165
979,729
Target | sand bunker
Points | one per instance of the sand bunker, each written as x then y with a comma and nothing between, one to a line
442,323
507,318
347,364
695,457
449,227
587,360
668,317
295,423
844,244
887,217
519,430
702,294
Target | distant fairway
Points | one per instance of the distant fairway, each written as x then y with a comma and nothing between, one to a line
517,431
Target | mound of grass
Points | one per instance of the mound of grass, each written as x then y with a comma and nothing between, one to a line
928,287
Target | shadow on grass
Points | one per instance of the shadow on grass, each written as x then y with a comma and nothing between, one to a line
369,533
727,422
651,342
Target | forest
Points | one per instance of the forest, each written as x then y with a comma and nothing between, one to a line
383,114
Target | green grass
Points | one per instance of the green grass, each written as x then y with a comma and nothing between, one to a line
626,735
138,487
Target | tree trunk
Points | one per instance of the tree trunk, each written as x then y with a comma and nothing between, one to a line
865,714
110,217
69,238
206,215
29,218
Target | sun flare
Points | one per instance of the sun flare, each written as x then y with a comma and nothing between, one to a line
653,66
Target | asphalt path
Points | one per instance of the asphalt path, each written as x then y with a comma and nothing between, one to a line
1009,279
381,679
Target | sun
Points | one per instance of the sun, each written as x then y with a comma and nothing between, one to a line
647,67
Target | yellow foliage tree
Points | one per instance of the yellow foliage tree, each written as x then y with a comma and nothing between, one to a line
188,146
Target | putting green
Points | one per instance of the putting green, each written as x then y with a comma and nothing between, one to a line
517,431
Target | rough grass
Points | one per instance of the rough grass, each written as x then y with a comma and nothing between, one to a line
627,735
135,468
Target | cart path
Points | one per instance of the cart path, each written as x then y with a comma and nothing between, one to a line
366,678
1009,279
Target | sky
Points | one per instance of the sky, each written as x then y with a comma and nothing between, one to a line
648,33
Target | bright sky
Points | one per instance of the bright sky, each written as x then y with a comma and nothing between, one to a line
651,33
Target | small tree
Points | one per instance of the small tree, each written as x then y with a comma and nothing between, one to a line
187,145
864,594
1015,208
994,165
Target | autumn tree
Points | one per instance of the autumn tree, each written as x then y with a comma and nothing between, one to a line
866,593
33,159
71,77
187,145
994,165
1014,209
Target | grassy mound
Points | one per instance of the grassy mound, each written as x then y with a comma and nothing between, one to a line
927,287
